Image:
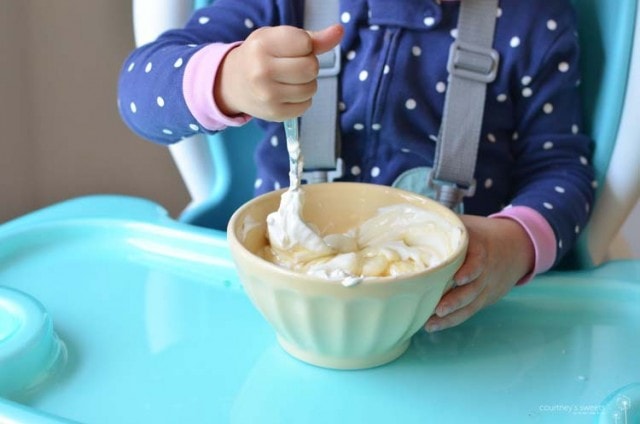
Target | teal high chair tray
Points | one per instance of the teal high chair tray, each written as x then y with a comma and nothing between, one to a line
151,325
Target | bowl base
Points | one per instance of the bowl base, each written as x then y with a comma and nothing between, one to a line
343,362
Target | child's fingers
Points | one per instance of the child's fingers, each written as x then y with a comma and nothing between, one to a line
468,273
473,265
282,41
296,93
283,112
327,38
436,323
298,70
459,297
275,102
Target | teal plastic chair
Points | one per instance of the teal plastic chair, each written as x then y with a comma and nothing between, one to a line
609,33
610,38
111,311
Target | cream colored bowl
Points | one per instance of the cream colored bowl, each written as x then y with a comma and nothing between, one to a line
323,322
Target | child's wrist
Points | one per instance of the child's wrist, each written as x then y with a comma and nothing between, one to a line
223,86
198,86
540,234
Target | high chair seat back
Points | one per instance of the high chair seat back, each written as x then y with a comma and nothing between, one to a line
610,40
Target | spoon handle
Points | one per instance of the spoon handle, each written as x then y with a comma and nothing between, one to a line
292,133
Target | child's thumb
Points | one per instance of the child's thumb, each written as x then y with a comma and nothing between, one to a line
327,38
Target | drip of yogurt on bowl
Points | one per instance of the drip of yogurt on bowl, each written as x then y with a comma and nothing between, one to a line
399,239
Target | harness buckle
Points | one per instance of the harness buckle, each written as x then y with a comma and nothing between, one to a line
449,194
473,62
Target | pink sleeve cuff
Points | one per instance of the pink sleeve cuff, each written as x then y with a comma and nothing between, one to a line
197,88
541,234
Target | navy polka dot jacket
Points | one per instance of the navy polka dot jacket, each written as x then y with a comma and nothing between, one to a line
393,83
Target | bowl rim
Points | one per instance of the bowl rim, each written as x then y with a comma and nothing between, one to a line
458,254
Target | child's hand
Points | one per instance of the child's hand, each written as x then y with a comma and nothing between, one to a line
500,253
272,74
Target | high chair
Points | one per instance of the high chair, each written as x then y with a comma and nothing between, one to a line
609,58
111,311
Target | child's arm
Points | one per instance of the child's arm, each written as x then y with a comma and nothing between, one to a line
156,78
552,178
159,81
219,70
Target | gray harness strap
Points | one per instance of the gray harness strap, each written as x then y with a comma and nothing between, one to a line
319,127
472,65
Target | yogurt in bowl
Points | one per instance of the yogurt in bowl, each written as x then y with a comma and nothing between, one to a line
399,239
372,265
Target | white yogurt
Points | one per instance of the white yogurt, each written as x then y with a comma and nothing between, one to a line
399,239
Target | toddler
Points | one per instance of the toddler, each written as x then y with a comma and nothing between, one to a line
238,60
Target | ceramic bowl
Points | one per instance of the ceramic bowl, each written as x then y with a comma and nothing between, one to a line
321,321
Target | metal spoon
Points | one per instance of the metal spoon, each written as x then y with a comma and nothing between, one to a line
292,133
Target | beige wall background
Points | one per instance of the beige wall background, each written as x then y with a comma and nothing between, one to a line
60,133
